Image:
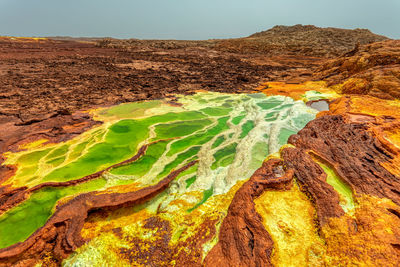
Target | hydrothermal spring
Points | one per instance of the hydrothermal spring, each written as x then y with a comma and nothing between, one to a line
229,135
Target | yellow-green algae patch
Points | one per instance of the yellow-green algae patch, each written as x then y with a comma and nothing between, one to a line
26,218
343,189
129,110
288,216
316,95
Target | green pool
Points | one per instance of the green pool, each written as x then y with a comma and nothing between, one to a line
229,134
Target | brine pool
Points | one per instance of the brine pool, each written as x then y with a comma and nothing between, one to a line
228,134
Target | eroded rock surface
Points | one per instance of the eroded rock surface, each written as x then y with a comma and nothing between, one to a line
353,151
313,181
372,69
38,78
360,150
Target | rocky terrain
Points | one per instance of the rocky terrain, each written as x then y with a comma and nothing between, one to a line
38,77
42,77
255,178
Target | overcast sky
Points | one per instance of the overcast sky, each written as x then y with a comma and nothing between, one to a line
190,19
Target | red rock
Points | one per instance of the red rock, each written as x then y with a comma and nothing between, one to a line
372,69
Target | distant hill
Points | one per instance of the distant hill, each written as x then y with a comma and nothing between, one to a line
299,39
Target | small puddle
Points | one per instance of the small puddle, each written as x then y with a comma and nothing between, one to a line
320,105
344,190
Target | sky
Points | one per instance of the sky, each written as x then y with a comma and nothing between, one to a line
190,19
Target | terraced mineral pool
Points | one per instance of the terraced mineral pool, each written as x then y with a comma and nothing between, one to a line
229,134
343,189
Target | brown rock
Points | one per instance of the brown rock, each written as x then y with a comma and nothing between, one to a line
372,69
354,153
304,40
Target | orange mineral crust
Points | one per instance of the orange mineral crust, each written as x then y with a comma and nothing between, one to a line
294,90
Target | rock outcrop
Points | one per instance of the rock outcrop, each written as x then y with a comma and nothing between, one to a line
353,151
372,69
